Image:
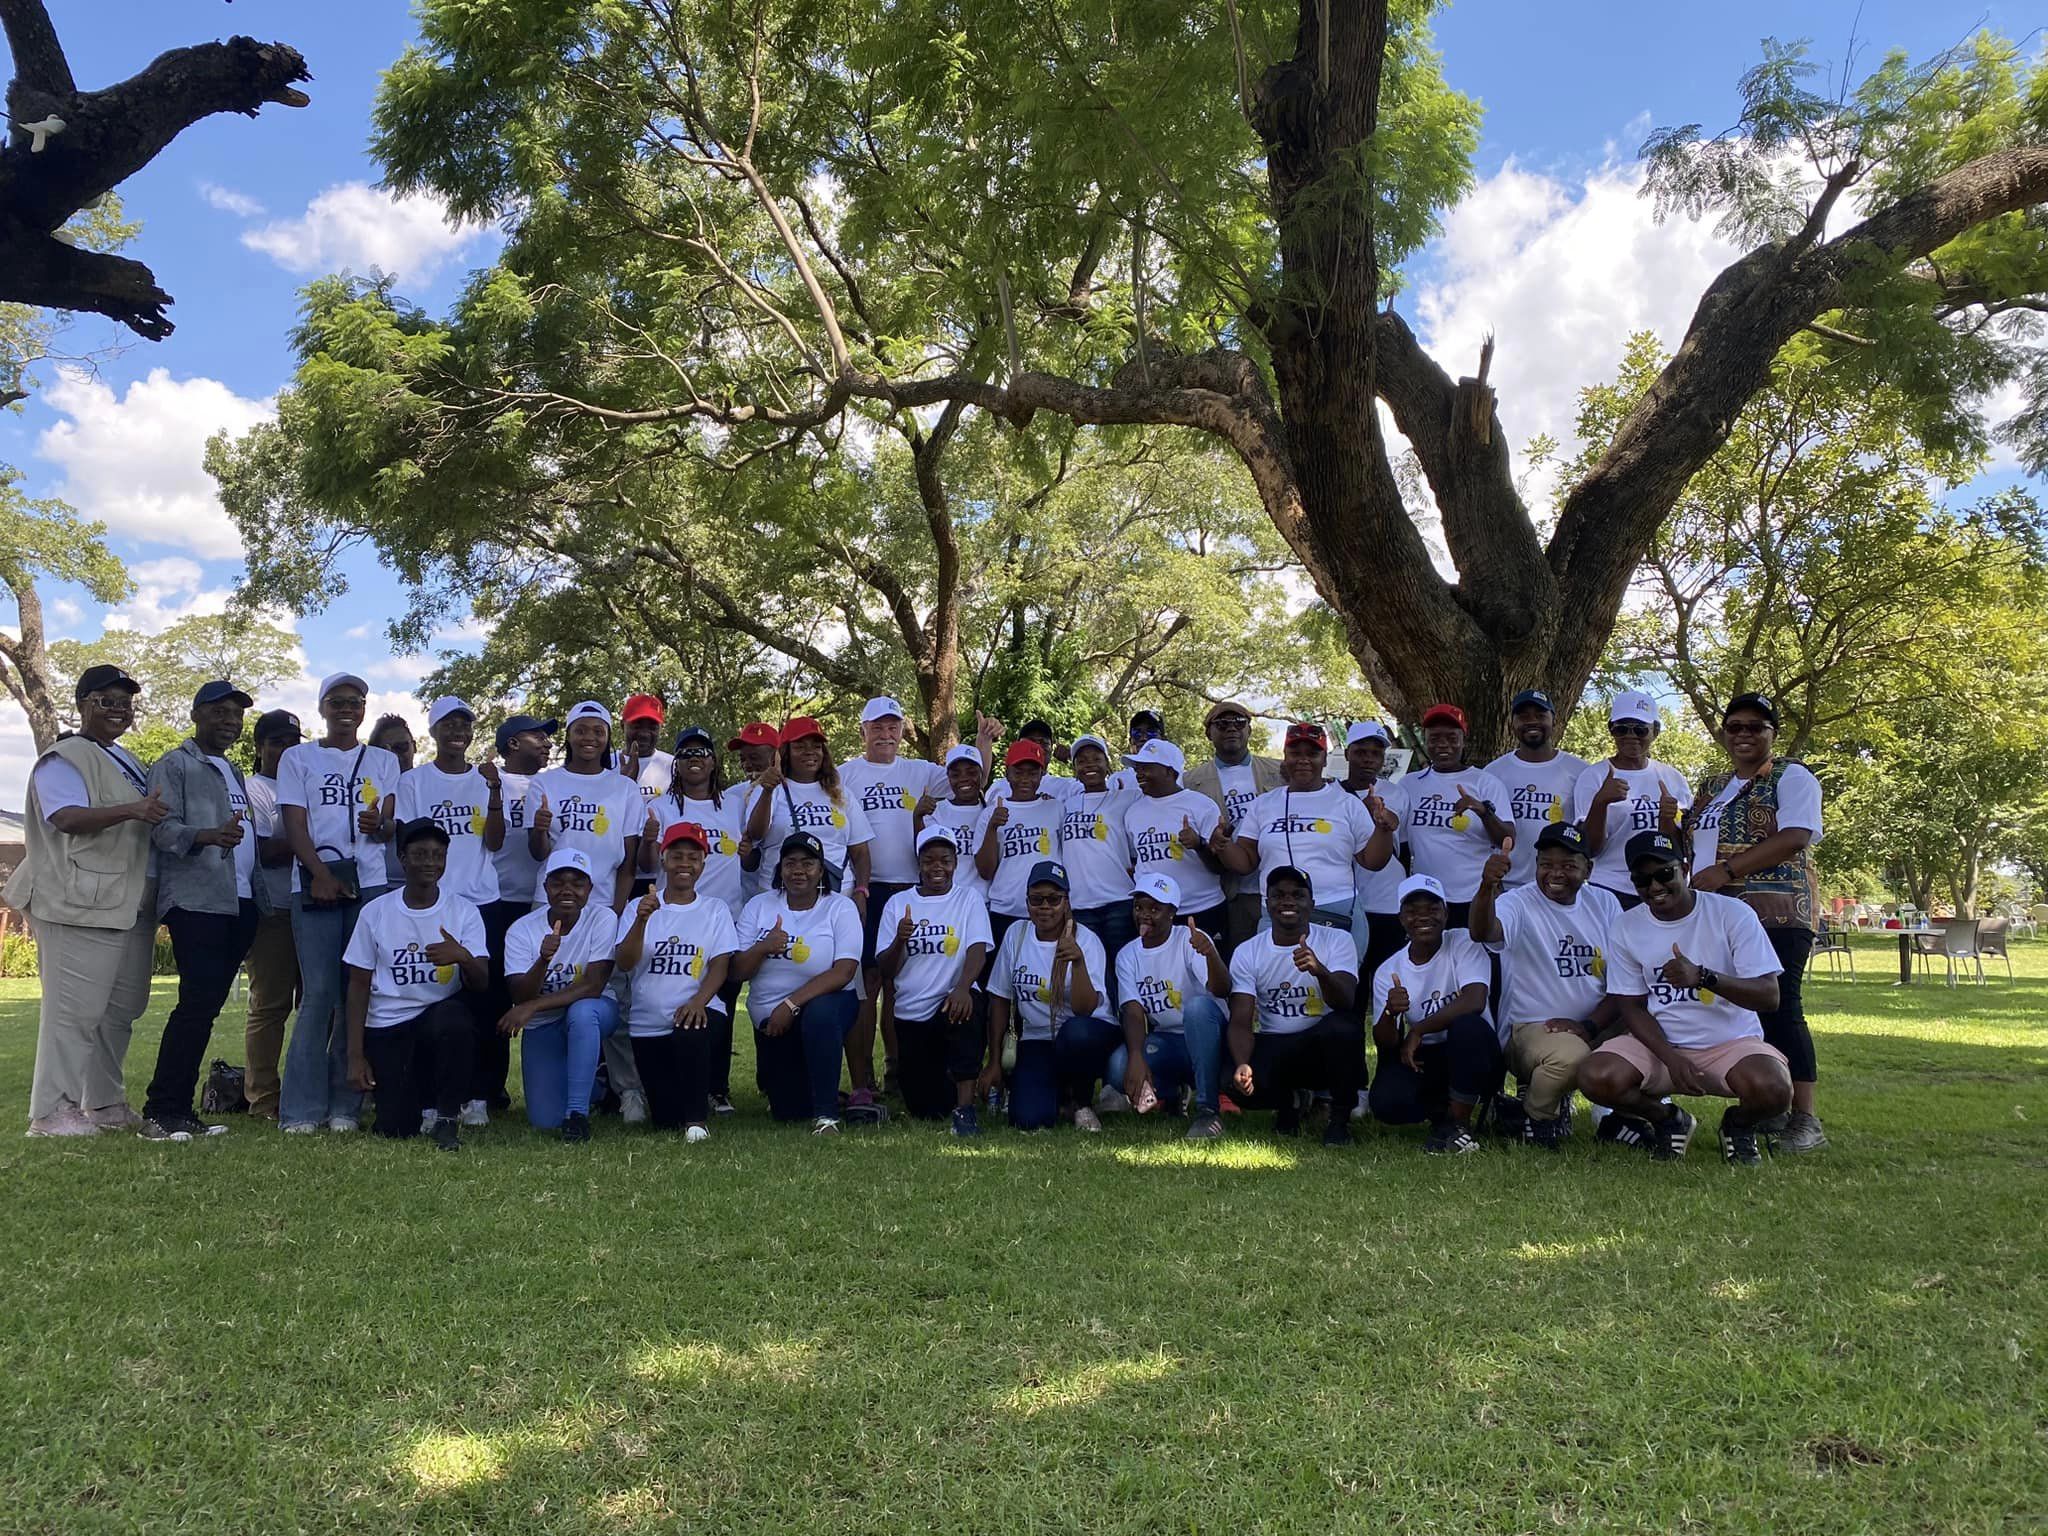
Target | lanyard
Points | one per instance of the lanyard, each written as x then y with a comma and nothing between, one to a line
121,762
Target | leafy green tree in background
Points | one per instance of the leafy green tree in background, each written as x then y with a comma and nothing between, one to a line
249,652
46,538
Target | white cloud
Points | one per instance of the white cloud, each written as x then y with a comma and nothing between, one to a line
63,612
228,200
134,461
166,591
407,670
357,226
359,631
17,755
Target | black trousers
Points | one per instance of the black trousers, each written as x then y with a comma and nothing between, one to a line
1466,1065
934,1054
1327,1057
720,1062
491,1061
675,1070
1785,1025
1384,936
209,948
423,1063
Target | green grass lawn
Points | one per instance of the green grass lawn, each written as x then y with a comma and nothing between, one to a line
893,1332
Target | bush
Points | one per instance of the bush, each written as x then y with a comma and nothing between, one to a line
18,955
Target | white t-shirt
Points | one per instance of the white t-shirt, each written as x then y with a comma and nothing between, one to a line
964,822
753,881
60,786
588,943
1031,833
1240,788
390,942
1720,933
818,939
1286,1000
679,944
657,772
245,850
1443,841
1162,978
459,804
1541,795
1798,806
1154,830
1319,831
331,785
887,794
1379,890
1553,959
1433,984
837,827
594,813
947,926
1096,848
723,824
1022,974
1638,811
276,879
517,869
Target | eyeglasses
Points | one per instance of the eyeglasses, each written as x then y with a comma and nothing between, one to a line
344,701
1664,874
1044,898
1746,727
694,752
1629,728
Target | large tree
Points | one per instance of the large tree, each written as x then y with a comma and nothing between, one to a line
171,664
45,538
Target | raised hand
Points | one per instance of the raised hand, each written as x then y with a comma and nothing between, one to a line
1382,818
1000,816
369,819
775,941
924,807
1499,862
1219,838
987,728
650,830
1202,944
647,905
906,930
447,950
1306,962
629,765
1397,997
1612,791
1667,810
1189,837
1068,948
1467,801
488,769
1679,971
551,940
771,776
544,818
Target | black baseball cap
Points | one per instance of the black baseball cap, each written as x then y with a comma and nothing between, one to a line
1532,698
104,675
1651,848
694,733
1562,834
1759,703
1048,872
1035,728
1281,872
218,689
419,827
801,843
519,723
276,722
1149,717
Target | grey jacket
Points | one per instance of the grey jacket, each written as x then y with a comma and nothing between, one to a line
189,878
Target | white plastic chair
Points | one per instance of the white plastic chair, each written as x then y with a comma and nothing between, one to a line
1959,943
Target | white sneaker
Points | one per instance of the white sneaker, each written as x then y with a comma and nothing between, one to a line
824,1125
65,1120
427,1119
476,1112
696,1133
299,1130
341,1125
1111,1100
633,1107
1085,1119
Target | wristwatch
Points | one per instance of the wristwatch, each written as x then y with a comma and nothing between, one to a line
1710,981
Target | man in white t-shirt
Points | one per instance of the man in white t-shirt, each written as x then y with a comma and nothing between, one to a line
1174,983
524,742
1298,983
643,761
1176,832
1628,794
1457,814
1234,777
1539,779
1439,1056
1689,971
1552,938
935,941
1376,893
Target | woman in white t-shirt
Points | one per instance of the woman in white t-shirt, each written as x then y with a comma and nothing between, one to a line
413,952
586,804
1439,1054
558,962
800,792
1049,978
1309,823
934,946
960,814
1376,900
1630,792
677,945
800,947
1173,984
1016,832
1095,845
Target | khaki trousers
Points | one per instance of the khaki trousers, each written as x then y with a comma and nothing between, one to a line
95,986
273,966
1546,1063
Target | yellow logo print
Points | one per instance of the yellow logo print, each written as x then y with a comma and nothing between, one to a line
726,845
1175,850
1599,966
1313,1007
951,943
1101,830
1045,842
1044,992
839,818
1706,996
368,793
601,823
1172,995
476,821
1319,825
444,973
1556,812
800,950
907,800
696,965
1460,822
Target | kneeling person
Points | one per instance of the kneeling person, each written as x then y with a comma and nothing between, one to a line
558,962
937,943
1051,975
1439,1056
413,950
1172,982
1298,982
1689,971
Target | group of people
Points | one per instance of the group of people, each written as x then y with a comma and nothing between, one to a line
1304,935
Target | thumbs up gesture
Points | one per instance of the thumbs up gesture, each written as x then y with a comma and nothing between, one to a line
448,950
1200,942
1189,837
1219,837
369,819
1667,812
1000,815
1068,949
1382,818
906,929
229,833
775,940
551,940
1679,971
648,905
1498,863
1467,801
1397,997
925,806
1305,960
1611,792
150,809
651,829
629,765
987,728
544,818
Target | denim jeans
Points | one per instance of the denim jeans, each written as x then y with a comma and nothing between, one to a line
800,1067
1115,927
316,1086
1192,1054
1069,1065
558,1061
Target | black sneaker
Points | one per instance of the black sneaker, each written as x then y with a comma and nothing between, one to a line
1625,1130
1451,1140
576,1127
448,1133
966,1122
1738,1142
1550,1135
1672,1135
720,1104
1287,1121
165,1128
1337,1134
1508,1117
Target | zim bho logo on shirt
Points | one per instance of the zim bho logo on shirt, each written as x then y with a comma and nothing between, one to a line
1021,841
410,967
560,977
334,791
813,814
1575,958
877,798
457,820
1665,995
1534,804
1435,811
676,957
1295,1000
933,938
1026,982
1155,845
576,814
1290,825
1157,995
1083,827
1643,814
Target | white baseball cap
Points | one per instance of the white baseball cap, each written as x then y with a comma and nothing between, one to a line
589,709
445,706
1089,741
568,858
1365,730
334,680
936,834
962,754
1422,885
1163,889
1161,751
1631,705
880,709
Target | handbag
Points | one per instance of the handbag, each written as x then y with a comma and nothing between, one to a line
222,1094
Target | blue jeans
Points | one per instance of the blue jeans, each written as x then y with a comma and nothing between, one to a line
1115,927
558,1061
316,1086
1071,1063
1192,1054
800,1067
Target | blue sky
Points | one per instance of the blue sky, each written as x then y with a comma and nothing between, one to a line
1552,252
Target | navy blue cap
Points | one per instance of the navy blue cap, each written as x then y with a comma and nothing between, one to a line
1281,872
1532,696
518,723
220,688
104,675
1651,847
276,723
1048,872
1562,834
801,843
419,827
694,733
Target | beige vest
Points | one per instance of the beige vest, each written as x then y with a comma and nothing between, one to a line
94,881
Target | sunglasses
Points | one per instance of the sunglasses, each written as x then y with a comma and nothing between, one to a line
694,752
1628,728
1044,898
119,698
1747,727
1232,722
1664,874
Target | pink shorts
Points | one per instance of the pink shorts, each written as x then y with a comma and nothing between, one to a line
1713,1062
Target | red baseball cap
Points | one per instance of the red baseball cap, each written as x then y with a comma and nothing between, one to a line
1308,730
1444,714
759,734
1024,751
686,832
642,706
799,728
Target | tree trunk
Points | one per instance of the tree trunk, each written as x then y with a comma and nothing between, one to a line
25,664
